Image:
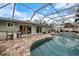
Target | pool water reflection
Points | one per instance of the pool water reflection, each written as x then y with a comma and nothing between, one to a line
64,44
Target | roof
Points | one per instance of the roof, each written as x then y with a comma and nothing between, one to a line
11,20
18,21
15,20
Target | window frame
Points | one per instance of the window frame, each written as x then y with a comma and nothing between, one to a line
10,25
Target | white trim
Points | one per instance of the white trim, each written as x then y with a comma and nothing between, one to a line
10,26
22,24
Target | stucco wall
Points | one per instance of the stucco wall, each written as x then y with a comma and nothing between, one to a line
33,29
3,27
69,29
44,29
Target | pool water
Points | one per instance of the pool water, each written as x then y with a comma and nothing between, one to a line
59,45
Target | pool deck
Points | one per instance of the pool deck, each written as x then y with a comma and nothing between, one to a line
21,46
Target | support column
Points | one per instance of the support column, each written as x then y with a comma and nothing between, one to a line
33,29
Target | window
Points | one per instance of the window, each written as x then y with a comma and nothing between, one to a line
10,24
38,29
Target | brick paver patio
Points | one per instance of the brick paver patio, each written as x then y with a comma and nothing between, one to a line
21,46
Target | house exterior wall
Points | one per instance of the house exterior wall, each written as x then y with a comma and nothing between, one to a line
33,29
68,29
58,28
3,27
44,29
16,27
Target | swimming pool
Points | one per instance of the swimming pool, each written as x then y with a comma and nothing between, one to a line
63,44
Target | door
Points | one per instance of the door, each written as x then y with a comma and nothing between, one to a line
28,29
23,29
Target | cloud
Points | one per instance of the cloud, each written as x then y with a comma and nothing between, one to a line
21,15
44,12
60,5
69,18
54,15
47,8
64,5
37,16
8,10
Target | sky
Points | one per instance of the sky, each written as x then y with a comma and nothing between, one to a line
24,13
